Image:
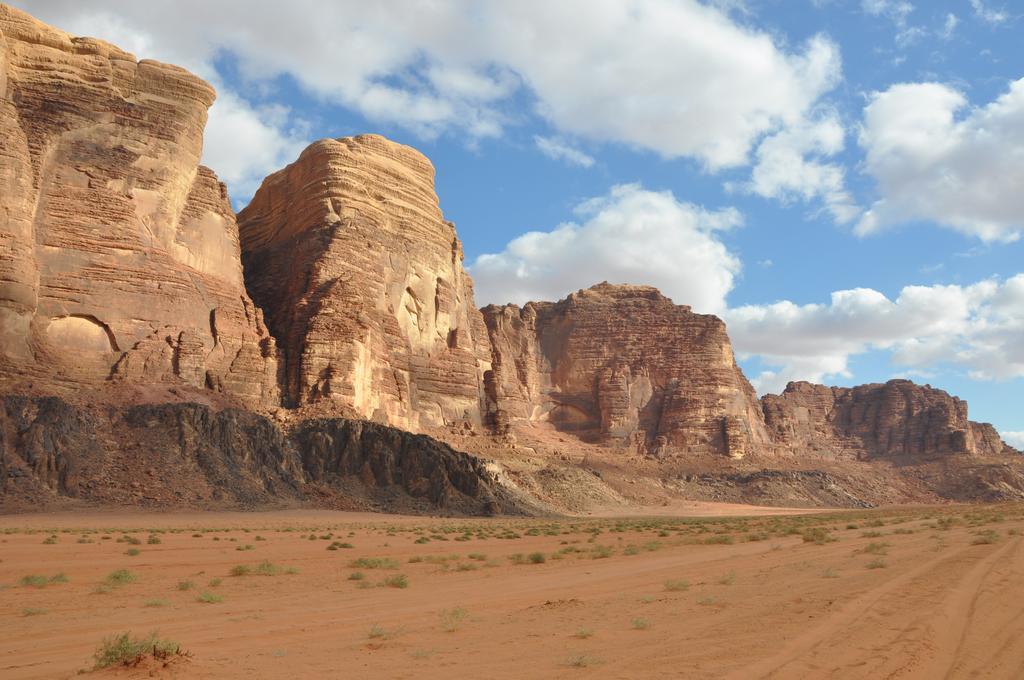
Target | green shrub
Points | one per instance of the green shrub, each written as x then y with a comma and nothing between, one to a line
125,650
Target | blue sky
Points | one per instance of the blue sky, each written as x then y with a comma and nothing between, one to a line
841,180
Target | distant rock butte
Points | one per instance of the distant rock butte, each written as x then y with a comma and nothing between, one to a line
362,283
627,364
894,419
119,256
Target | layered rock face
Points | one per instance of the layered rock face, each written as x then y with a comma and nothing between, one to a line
362,284
119,255
896,419
622,363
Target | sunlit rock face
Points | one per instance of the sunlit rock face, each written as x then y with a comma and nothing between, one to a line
898,418
119,255
622,363
362,283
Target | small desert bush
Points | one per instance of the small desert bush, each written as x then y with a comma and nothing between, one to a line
876,564
818,536
874,548
641,624
985,537
728,579
374,563
119,578
451,619
537,558
582,661
156,603
34,581
356,576
396,581
676,585
185,585
125,650
206,597
32,611
583,633
132,552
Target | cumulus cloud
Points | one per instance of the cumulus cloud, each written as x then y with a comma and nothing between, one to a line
790,165
630,235
934,158
679,77
1014,439
979,327
558,149
244,144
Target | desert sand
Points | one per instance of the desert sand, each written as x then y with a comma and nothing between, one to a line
902,593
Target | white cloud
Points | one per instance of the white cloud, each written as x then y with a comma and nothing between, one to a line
790,165
558,149
949,26
630,235
934,160
895,10
676,77
1014,439
988,14
244,144
978,327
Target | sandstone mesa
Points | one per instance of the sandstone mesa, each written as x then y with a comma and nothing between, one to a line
157,349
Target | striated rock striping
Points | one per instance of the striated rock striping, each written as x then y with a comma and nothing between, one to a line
119,254
362,283
623,363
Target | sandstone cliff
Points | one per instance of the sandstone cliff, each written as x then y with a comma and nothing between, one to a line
896,419
361,280
625,364
119,254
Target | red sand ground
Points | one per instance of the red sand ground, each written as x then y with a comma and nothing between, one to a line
947,602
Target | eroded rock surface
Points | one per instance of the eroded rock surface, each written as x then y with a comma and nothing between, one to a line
119,254
362,284
189,455
898,418
623,363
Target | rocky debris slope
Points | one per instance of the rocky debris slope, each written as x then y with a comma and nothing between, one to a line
625,364
188,455
119,254
362,284
897,419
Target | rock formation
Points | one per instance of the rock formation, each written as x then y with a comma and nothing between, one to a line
896,419
169,455
362,284
622,363
119,254
121,265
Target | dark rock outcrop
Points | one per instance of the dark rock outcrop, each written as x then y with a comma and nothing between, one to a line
188,455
